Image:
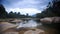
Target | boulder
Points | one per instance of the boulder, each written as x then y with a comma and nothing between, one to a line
50,20
5,25
16,21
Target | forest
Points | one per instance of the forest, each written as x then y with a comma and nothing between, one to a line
53,9
5,14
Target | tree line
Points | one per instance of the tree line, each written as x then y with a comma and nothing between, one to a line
5,14
53,9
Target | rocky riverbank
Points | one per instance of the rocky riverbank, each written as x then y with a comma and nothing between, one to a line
50,20
40,29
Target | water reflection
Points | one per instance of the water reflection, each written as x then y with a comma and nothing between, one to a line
34,24
29,23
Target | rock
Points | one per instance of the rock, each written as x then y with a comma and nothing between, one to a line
16,20
36,31
50,20
5,25
56,19
31,31
10,31
46,20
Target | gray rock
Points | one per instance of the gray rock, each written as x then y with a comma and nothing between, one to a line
50,20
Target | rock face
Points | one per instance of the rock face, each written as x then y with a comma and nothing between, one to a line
31,31
37,31
6,25
16,20
10,31
50,20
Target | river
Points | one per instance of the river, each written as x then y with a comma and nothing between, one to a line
34,24
29,23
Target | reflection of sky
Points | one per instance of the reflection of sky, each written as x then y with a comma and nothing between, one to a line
30,23
21,4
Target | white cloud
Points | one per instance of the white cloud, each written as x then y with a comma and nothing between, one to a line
30,11
25,6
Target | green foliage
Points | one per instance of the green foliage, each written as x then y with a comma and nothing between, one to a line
3,13
17,15
56,7
53,9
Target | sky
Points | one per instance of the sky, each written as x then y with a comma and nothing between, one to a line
25,6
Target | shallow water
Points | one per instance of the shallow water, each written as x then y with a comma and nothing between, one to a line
34,24
30,23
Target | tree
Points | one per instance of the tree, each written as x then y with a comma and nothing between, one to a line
11,14
50,11
55,7
3,13
18,13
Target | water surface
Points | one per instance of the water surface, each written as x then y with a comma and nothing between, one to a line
34,24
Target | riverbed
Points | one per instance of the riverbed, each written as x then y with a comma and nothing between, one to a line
33,24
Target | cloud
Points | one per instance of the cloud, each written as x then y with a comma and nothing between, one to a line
36,4
25,3
30,11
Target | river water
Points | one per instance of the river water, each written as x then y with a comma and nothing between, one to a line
29,23
34,24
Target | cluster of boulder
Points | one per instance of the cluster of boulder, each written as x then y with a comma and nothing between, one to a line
50,20
8,28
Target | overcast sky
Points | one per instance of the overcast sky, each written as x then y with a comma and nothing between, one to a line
25,6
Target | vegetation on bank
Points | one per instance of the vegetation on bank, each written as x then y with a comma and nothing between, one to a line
52,10
5,14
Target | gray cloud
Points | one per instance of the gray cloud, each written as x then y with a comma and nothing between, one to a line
38,4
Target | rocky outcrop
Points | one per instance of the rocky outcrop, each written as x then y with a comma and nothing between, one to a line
50,20
16,20
5,25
